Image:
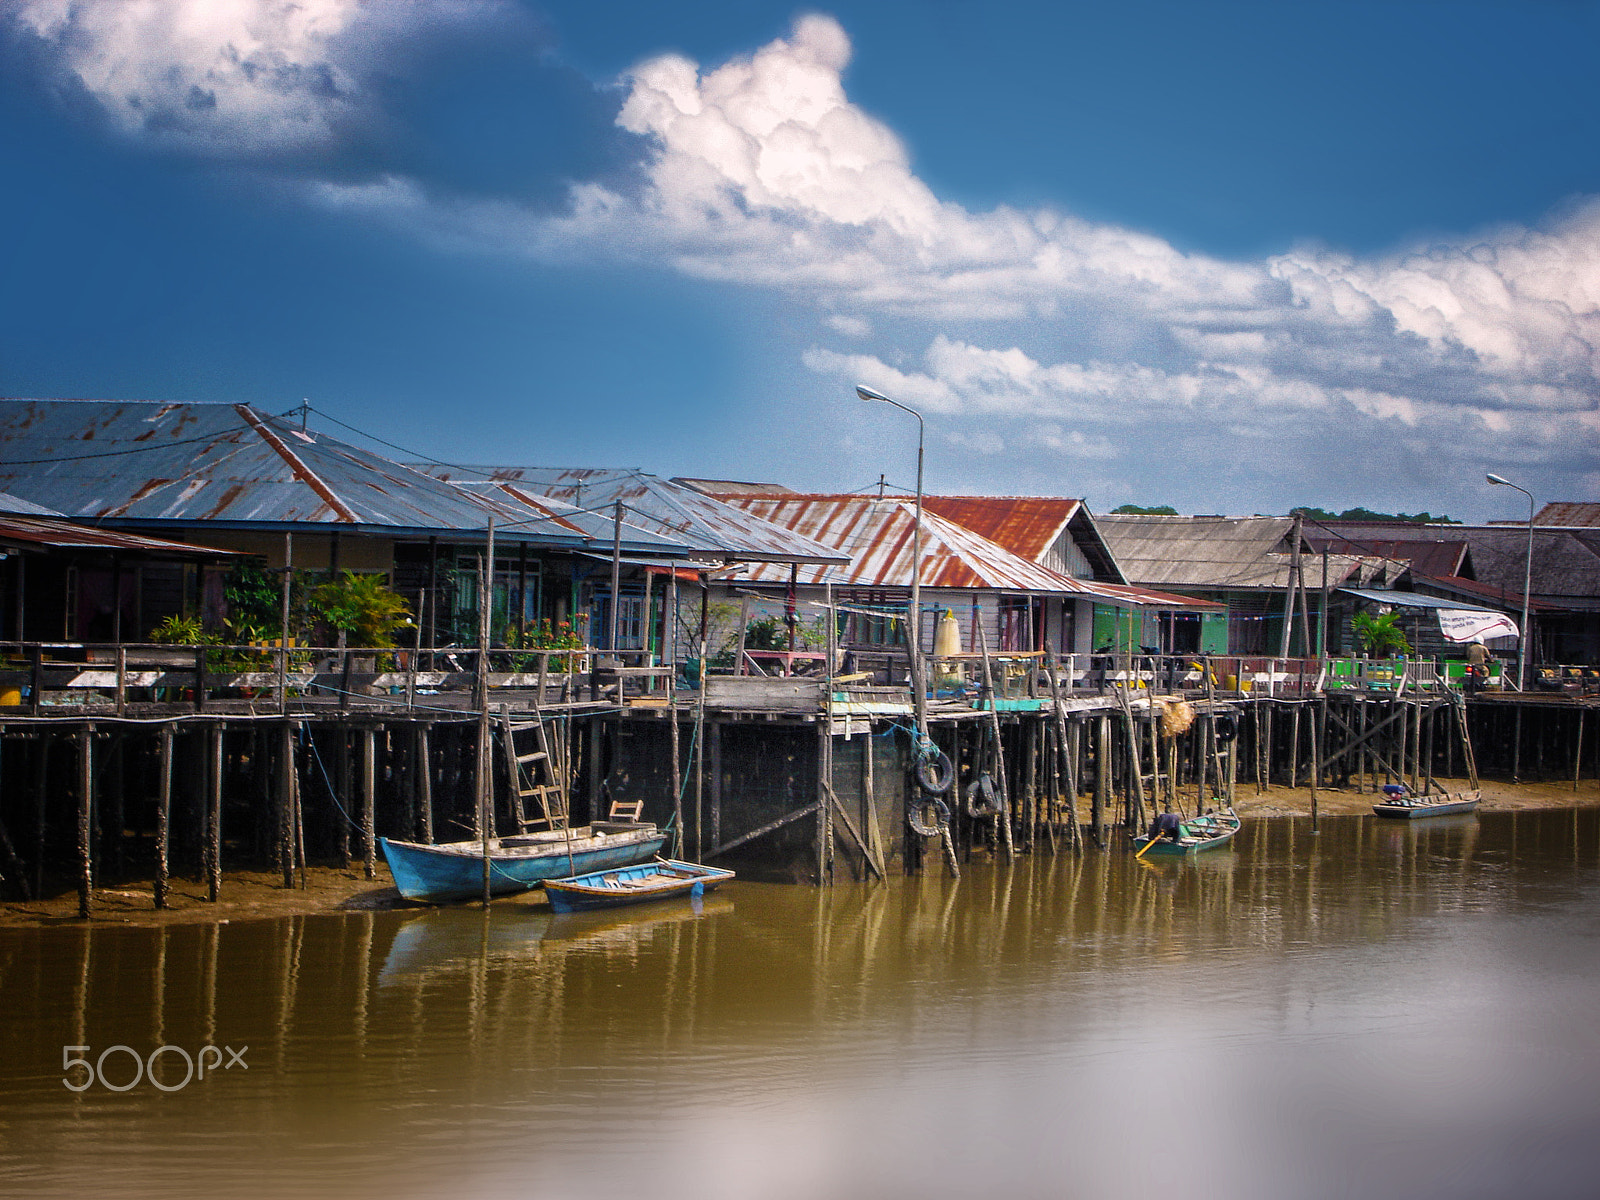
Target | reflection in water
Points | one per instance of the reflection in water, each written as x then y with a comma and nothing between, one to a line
1379,1009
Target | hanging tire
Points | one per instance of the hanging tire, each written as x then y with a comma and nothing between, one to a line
935,771
928,815
981,798
1227,727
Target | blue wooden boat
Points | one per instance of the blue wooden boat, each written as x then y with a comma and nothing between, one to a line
660,880
454,870
1210,831
1399,802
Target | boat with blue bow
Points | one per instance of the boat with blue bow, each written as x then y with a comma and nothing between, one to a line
454,870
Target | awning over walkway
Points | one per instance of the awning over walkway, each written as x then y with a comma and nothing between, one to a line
1458,622
1414,600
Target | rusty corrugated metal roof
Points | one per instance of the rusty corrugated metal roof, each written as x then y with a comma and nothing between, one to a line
878,537
730,487
128,461
45,533
1571,514
1025,525
706,524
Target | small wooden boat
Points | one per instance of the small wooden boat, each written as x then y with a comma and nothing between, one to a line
1403,805
454,870
659,880
1210,831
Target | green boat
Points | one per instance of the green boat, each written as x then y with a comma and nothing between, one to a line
1210,831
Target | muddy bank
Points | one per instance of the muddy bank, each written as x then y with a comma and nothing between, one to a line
1296,802
248,895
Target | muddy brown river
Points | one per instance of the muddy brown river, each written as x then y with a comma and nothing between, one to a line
1374,1010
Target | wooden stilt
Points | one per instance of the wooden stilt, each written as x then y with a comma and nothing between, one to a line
85,820
41,777
164,814
1102,780
715,737
422,781
342,781
369,800
214,823
286,838
1577,751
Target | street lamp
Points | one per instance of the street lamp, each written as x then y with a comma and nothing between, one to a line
914,625
1527,584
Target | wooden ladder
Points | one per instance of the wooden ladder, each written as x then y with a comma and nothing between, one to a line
533,775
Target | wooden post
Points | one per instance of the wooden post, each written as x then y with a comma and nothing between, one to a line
286,838
1066,747
700,741
1577,751
85,820
214,824
1004,817
1074,775
342,777
41,777
1294,746
1316,757
164,815
282,688
423,783
716,783
744,623
824,798
1516,744
1102,779
369,799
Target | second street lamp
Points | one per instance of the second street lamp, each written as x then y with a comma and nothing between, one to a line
1527,583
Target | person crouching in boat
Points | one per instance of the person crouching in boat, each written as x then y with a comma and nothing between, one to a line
1168,825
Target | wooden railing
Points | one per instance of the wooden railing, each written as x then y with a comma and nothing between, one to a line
40,676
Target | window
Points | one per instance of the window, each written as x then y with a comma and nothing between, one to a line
1016,626
873,619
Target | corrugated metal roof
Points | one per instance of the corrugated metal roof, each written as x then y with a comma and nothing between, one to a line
1140,597
658,505
1199,552
732,487
1412,599
1566,562
520,509
1425,557
136,461
16,504
878,536
24,531
1228,554
1024,525
1573,514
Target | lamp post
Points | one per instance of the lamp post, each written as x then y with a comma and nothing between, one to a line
1527,584
914,623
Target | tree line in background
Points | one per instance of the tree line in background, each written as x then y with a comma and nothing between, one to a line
1308,512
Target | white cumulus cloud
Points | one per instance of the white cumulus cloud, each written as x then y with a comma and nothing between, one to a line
235,78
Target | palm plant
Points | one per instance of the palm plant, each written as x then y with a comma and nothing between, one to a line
1380,634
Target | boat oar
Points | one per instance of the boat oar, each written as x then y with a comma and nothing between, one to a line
1150,841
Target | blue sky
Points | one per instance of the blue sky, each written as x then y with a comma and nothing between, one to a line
1231,257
